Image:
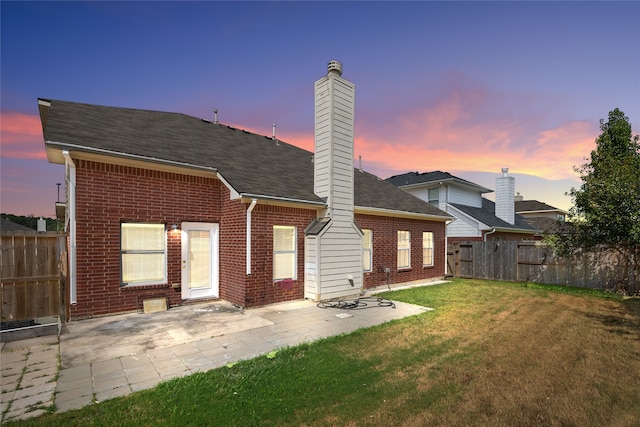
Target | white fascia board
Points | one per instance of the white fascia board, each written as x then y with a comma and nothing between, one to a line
283,200
447,181
542,211
53,145
233,194
400,214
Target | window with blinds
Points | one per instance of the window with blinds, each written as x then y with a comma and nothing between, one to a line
427,248
367,250
404,249
284,252
143,253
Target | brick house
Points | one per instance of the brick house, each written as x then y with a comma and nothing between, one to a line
164,205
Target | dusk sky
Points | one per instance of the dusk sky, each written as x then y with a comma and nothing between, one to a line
461,87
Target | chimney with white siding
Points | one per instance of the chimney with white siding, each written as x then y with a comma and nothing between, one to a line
333,242
334,136
505,190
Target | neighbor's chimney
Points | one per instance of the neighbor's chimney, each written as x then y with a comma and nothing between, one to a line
505,189
334,136
518,197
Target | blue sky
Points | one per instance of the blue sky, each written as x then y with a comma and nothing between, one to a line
463,87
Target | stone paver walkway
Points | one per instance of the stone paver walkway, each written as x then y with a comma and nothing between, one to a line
34,378
28,374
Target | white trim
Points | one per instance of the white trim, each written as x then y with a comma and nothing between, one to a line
214,230
70,167
400,214
249,210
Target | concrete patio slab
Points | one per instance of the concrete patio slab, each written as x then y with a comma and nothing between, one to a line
103,358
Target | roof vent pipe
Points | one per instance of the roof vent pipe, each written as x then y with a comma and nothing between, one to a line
273,131
335,67
215,116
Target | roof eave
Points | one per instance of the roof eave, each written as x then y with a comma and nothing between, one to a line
515,230
401,214
285,200
54,155
543,211
456,181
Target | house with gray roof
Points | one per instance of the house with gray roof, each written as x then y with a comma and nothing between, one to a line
476,217
540,215
166,206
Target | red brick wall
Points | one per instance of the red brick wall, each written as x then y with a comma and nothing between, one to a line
261,289
232,250
107,195
385,249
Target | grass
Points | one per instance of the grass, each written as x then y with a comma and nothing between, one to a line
490,354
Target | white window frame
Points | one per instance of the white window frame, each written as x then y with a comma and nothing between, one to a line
367,250
427,249
404,249
291,251
433,201
153,251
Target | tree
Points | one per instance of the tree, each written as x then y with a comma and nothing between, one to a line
606,208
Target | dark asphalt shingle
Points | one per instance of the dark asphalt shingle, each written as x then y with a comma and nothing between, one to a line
252,164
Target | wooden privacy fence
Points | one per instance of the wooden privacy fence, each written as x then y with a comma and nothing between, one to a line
522,261
30,275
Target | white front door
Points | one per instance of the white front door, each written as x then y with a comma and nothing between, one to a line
199,260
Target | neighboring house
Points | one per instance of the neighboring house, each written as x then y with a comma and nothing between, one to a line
476,218
171,206
540,215
7,226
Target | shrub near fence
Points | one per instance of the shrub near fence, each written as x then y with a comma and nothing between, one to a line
523,261
30,275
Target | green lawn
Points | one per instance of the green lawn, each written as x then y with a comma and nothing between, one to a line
490,354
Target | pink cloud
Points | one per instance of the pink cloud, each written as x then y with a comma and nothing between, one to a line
472,130
21,136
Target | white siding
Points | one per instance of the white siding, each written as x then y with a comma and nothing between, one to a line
334,135
505,205
465,197
340,256
337,252
311,267
463,227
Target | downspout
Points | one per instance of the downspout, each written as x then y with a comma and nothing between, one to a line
493,230
249,210
70,166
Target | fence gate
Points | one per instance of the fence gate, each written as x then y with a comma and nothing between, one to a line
31,277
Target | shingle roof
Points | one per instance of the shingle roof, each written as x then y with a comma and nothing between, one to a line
252,164
534,205
8,225
487,215
413,178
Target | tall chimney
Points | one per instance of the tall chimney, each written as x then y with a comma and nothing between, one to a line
334,138
505,190
333,241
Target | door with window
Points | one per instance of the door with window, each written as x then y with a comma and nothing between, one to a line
199,260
